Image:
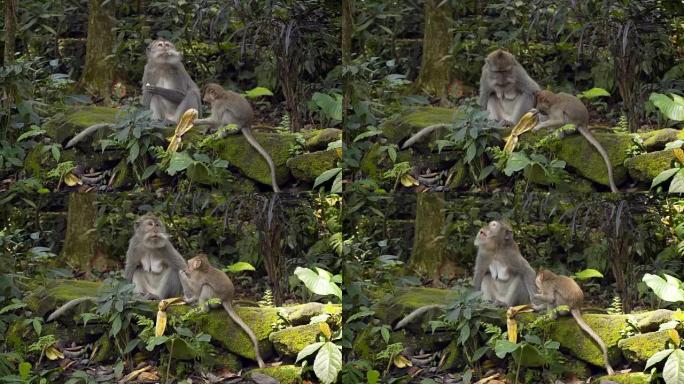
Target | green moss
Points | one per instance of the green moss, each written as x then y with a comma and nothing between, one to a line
291,340
626,378
223,330
640,348
566,331
224,360
104,349
398,304
580,155
656,140
237,151
285,374
309,166
320,138
412,120
370,163
65,125
647,166
536,175
17,337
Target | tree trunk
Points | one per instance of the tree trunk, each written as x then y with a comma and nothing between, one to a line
98,73
347,27
79,244
271,234
10,30
428,241
435,66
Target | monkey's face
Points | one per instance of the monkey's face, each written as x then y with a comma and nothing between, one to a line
485,237
209,95
543,100
163,51
154,234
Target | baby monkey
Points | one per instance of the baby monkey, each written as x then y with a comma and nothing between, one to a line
228,107
556,290
564,108
201,282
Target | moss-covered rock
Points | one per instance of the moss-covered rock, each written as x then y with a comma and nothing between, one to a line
640,348
650,321
57,292
319,139
285,374
536,175
580,155
656,140
400,303
237,151
224,360
230,336
290,341
571,337
410,121
309,166
625,378
63,126
647,166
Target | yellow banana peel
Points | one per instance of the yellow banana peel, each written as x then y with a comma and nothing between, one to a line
527,122
184,125
511,324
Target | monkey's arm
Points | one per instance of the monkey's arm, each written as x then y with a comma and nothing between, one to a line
524,103
556,119
146,96
480,270
173,95
175,259
485,91
132,259
208,121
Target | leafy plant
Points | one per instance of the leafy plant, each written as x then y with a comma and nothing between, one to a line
672,108
320,282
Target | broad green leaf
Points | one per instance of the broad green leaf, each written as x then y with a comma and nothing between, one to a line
664,290
668,107
593,93
309,349
673,371
677,183
239,267
372,376
663,176
330,105
12,307
31,133
179,162
258,92
372,132
328,363
516,161
325,176
587,274
316,283
504,347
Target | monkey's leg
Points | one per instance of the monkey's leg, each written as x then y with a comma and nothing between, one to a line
522,104
495,109
191,100
516,294
549,124
488,288
169,284
142,286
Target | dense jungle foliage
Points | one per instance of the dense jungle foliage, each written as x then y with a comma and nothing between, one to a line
418,64
282,252
62,57
617,247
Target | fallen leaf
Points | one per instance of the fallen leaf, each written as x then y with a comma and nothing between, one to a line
401,362
53,353
160,326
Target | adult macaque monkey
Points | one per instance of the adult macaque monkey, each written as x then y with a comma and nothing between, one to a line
506,92
201,282
556,290
168,90
228,107
501,272
563,108
152,264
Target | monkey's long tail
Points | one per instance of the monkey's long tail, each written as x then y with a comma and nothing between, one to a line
590,138
586,328
415,314
231,312
67,306
252,141
422,133
85,133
